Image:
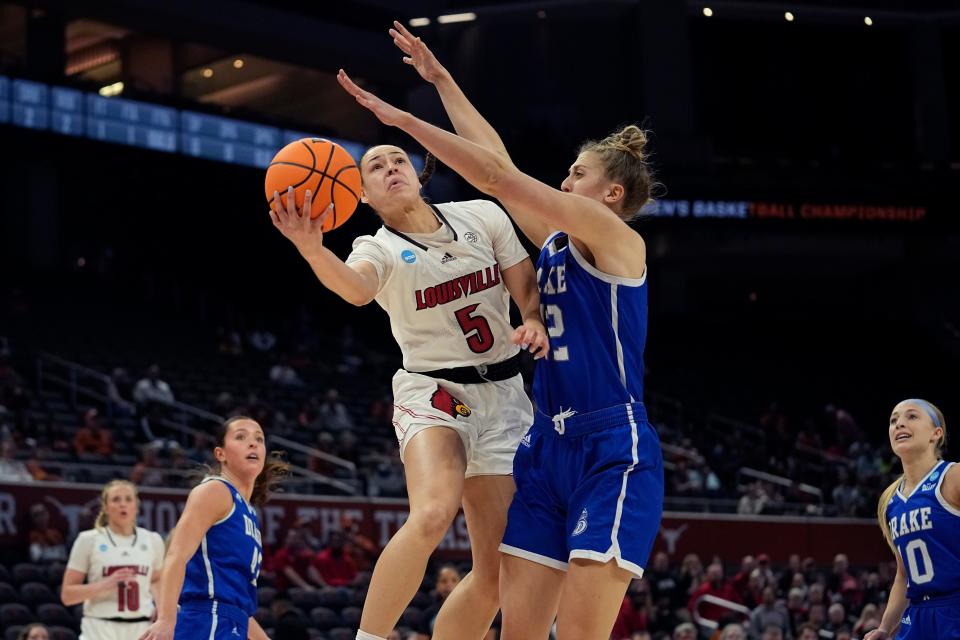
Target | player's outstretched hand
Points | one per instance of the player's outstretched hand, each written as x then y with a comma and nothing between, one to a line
305,233
877,634
532,336
385,112
159,630
418,55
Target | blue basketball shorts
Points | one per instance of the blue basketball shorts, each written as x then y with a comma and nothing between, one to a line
210,620
588,486
934,618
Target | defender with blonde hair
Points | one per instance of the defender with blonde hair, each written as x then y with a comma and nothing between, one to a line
589,473
920,517
120,563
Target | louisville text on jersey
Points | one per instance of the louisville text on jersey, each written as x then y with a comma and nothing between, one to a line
459,287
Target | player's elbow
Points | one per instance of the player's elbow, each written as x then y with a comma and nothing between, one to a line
497,172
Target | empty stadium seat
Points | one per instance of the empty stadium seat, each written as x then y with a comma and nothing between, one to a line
8,593
351,616
265,596
62,633
324,618
52,614
28,572
14,613
341,633
411,617
303,598
36,593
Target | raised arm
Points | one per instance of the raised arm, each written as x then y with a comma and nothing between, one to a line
466,120
357,284
583,218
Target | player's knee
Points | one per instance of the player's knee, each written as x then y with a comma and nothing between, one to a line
432,520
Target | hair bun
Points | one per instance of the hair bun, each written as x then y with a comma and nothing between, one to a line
633,140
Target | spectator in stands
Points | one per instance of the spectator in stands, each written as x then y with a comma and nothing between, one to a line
46,542
685,631
846,494
335,566
836,618
92,438
733,632
147,471
348,447
289,623
741,579
262,340
448,577
753,501
785,578
797,608
664,583
769,613
808,632
199,450
152,390
361,548
334,413
817,615
816,595
713,585
35,631
120,392
773,632
387,481
711,482
841,582
11,469
868,621
633,615
292,564
284,375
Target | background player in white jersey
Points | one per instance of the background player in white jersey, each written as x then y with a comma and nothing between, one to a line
120,563
920,517
443,274
590,474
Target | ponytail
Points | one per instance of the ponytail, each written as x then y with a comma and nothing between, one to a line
885,499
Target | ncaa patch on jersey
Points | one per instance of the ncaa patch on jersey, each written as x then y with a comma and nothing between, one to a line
103,547
408,256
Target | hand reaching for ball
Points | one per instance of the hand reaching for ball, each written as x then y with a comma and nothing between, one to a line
298,227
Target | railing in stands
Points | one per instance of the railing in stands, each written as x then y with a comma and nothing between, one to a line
82,381
711,625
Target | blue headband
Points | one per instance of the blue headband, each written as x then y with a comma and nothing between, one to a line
928,408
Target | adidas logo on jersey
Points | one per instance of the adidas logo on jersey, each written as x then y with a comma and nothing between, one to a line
525,440
447,258
905,620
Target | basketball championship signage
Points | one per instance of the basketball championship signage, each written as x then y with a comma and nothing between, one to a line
782,210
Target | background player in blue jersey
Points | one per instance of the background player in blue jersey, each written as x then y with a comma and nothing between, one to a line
920,517
589,473
215,553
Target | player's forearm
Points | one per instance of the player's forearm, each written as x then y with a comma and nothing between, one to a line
71,594
478,165
896,605
335,275
466,120
171,583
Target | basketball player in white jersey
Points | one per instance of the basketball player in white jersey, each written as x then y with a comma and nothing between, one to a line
444,274
121,564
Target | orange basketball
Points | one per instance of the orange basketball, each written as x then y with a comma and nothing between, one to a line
323,167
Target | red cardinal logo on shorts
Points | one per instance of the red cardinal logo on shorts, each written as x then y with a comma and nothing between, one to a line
443,400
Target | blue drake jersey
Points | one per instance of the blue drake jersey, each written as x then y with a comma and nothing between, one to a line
597,325
226,566
926,532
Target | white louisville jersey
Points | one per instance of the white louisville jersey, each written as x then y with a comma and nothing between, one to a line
97,553
444,291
